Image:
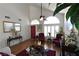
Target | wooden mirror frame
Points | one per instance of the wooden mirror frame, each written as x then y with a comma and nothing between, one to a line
13,26
5,30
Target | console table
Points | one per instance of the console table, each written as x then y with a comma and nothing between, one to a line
13,38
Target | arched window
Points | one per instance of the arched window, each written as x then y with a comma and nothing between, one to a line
35,22
51,25
52,20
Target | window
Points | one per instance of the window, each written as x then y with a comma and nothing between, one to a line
52,31
51,25
45,30
35,22
68,24
52,20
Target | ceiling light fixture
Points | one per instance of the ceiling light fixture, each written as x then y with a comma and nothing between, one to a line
42,18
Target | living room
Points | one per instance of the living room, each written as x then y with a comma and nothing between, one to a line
21,24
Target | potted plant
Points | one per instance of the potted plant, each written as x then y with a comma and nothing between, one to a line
72,13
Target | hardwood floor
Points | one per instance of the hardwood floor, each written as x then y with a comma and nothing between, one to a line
19,47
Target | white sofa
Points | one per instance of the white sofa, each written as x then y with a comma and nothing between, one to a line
6,50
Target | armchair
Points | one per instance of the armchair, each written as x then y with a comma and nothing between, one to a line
57,40
41,37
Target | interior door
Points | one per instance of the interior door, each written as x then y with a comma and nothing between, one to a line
33,31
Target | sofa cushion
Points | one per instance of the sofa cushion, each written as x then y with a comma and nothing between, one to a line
51,53
6,50
3,54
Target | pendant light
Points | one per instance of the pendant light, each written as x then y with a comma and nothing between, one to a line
42,18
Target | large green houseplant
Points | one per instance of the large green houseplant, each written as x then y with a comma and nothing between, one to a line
72,13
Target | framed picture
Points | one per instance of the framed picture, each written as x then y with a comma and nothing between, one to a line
17,26
7,26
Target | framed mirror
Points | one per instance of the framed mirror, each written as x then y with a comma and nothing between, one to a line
17,26
7,26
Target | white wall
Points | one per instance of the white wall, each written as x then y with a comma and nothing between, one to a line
15,11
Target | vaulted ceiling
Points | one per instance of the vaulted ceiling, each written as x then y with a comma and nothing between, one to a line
51,7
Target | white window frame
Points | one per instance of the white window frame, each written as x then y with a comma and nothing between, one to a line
54,25
58,24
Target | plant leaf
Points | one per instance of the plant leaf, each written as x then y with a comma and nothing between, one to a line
77,26
61,7
58,4
75,16
72,21
76,21
71,11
